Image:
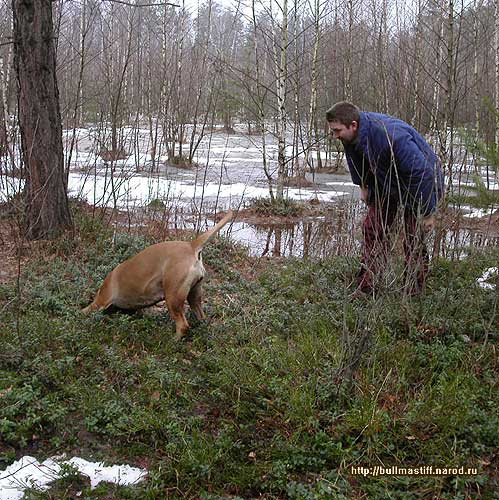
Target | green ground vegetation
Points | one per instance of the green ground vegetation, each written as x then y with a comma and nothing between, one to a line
277,395
281,207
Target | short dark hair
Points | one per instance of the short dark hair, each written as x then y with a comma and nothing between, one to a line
343,112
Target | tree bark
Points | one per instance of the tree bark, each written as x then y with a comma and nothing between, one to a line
496,59
282,76
435,116
313,86
260,100
348,88
47,211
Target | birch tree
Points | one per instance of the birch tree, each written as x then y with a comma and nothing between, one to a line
5,126
282,78
260,97
6,53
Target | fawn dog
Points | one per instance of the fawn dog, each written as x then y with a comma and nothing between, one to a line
171,270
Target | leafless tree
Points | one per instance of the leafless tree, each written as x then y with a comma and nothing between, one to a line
281,60
496,59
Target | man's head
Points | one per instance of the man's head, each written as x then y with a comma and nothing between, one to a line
343,119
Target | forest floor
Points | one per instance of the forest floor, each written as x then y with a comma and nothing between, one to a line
282,393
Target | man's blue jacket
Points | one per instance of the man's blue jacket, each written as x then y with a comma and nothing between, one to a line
395,163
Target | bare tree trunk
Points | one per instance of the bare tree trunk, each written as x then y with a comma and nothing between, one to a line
180,125
348,53
5,132
383,55
118,97
167,85
496,54
476,96
282,76
416,116
449,91
5,128
47,211
313,84
78,104
437,85
295,166
198,129
475,74
260,102
84,27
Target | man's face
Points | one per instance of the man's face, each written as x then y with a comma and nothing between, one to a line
345,133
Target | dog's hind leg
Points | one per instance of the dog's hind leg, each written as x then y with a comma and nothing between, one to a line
90,308
103,299
176,309
195,299
98,304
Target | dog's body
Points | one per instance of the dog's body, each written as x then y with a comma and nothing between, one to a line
172,270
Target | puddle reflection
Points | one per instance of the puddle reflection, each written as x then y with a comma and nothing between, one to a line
459,243
339,232
334,233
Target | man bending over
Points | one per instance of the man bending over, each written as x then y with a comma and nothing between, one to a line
394,167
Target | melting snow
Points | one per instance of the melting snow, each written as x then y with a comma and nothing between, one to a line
28,472
478,212
483,280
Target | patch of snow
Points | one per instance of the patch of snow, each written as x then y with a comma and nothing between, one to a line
478,212
123,475
137,190
9,186
217,162
493,185
28,472
483,280
224,150
340,183
140,190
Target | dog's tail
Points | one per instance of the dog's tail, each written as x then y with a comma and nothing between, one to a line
202,239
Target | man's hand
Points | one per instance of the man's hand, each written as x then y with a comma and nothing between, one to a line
364,194
429,223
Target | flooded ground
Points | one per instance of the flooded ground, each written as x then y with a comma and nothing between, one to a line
335,232
229,174
328,230
319,238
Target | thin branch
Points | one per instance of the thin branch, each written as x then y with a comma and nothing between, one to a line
162,4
